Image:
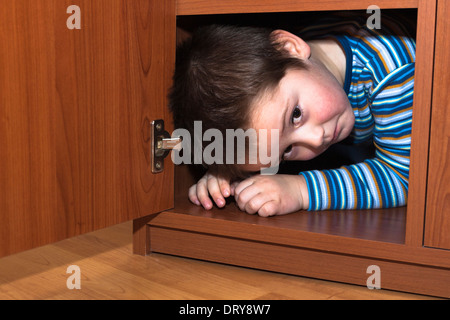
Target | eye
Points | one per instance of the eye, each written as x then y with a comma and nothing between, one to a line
286,152
297,115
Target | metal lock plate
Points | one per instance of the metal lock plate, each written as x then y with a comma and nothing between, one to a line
162,144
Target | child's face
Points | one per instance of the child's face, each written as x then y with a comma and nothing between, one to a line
311,111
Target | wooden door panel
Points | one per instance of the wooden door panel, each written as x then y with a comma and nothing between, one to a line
76,107
437,224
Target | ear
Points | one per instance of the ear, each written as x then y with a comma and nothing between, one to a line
291,43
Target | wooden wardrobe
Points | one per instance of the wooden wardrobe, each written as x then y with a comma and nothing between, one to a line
76,112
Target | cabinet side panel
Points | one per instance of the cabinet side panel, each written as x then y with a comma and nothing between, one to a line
437,224
421,123
28,185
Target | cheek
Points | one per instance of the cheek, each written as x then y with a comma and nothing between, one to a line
326,107
332,104
325,97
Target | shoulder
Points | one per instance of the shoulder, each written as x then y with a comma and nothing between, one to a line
385,50
380,50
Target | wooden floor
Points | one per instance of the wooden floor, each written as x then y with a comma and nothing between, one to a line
109,270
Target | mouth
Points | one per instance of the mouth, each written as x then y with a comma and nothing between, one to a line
335,135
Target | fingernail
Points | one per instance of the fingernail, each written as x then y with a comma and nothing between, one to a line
207,205
219,202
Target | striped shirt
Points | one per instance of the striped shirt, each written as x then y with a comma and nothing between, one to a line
380,85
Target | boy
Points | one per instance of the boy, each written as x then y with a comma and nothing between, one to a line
349,81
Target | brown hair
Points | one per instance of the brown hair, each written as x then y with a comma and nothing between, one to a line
220,71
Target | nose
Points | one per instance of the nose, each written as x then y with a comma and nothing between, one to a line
312,136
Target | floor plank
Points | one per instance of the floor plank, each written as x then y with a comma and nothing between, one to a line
109,270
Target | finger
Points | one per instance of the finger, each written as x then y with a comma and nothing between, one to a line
246,195
215,191
242,186
263,204
253,205
268,209
224,186
193,195
233,187
203,195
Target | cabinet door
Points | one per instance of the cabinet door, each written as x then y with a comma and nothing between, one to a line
75,113
437,224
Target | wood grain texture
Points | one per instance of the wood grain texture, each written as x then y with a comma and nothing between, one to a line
110,271
193,7
303,230
75,112
423,87
333,245
314,244
300,261
381,225
437,225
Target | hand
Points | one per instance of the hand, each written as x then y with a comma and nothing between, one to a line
272,195
211,184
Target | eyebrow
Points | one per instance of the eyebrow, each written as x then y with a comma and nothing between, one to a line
283,126
283,123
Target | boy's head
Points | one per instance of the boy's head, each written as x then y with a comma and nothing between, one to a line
220,72
243,77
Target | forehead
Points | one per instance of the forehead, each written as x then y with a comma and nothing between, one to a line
267,107
274,102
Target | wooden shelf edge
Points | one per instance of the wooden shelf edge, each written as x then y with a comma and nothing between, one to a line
299,261
281,236
198,7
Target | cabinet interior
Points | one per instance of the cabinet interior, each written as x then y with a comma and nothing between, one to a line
385,225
